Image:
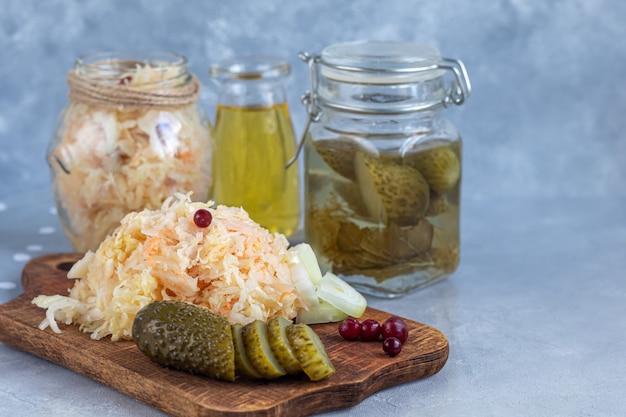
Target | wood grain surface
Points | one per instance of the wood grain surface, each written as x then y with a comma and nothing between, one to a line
362,368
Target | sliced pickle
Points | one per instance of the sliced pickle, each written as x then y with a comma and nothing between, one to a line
259,352
310,352
280,344
243,366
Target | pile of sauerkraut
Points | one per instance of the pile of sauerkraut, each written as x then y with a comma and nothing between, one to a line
234,267
109,161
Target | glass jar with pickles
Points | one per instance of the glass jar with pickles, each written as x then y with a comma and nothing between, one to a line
383,167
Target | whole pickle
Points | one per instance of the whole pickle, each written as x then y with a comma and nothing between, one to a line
183,336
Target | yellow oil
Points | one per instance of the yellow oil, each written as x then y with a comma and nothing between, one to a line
252,146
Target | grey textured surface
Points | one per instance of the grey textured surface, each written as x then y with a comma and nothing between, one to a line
536,312
546,116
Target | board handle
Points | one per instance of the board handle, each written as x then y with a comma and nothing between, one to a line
47,268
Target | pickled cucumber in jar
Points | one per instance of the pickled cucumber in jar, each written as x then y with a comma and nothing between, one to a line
379,218
383,167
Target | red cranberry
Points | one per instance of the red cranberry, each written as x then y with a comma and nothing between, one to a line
392,346
370,330
202,218
395,327
350,328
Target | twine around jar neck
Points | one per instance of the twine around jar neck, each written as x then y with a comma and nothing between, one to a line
90,91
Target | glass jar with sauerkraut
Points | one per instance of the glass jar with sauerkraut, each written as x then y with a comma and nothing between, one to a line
383,166
132,135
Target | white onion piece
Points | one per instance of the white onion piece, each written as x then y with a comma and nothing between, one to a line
341,295
304,286
322,313
307,257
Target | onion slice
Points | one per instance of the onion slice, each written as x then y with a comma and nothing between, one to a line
341,295
322,313
307,257
302,281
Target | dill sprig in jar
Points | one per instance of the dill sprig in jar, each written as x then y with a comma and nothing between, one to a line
383,167
131,136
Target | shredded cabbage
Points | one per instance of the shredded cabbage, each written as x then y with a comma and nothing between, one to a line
234,267
107,162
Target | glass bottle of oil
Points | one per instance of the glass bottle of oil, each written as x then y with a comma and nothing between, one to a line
254,139
383,167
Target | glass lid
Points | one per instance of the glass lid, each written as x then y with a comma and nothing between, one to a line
380,62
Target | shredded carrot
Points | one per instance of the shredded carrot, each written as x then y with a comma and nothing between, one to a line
234,267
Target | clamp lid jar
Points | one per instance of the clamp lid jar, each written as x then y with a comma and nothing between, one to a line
383,167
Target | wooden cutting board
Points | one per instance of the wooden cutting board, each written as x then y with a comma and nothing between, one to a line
362,368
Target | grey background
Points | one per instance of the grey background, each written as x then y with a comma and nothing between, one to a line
546,117
535,314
